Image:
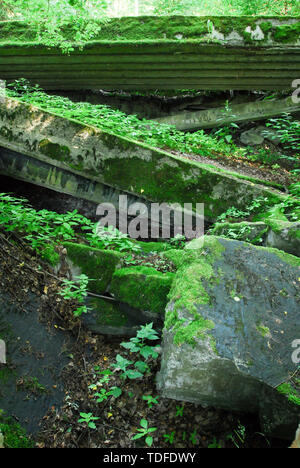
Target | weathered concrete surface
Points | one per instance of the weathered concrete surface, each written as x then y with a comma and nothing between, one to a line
43,174
257,110
282,235
159,52
232,316
123,164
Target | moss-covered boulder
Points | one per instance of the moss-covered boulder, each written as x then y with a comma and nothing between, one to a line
232,316
98,265
143,288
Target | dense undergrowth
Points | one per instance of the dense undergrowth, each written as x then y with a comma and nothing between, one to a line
167,137
43,229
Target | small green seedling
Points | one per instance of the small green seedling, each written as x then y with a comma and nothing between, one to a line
88,420
144,432
150,400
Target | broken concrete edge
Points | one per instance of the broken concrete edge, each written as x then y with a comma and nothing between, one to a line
143,288
283,235
162,177
216,117
252,232
228,29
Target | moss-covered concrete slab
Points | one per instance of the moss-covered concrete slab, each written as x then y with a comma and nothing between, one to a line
232,315
98,265
283,234
245,112
160,52
143,288
245,231
126,165
107,317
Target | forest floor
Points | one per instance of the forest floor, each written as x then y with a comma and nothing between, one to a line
178,424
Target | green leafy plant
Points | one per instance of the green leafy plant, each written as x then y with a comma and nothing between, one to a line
224,133
193,437
77,291
87,419
178,241
179,411
214,444
169,437
238,435
286,129
138,343
150,400
122,364
144,431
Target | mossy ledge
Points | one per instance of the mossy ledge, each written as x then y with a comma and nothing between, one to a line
143,288
124,164
278,29
98,265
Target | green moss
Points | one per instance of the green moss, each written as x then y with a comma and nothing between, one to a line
287,33
147,247
288,390
285,257
266,27
143,288
159,28
49,255
249,232
98,265
195,270
54,150
108,313
263,330
188,333
14,435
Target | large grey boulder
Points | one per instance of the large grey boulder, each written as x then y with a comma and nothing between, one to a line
232,316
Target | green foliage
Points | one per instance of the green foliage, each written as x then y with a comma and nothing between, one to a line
235,213
84,17
76,290
144,431
138,344
214,444
179,411
147,131
225,133
286,129
219,144
45,228
14,435
150,400
60,23
170,437
238,436
87,419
